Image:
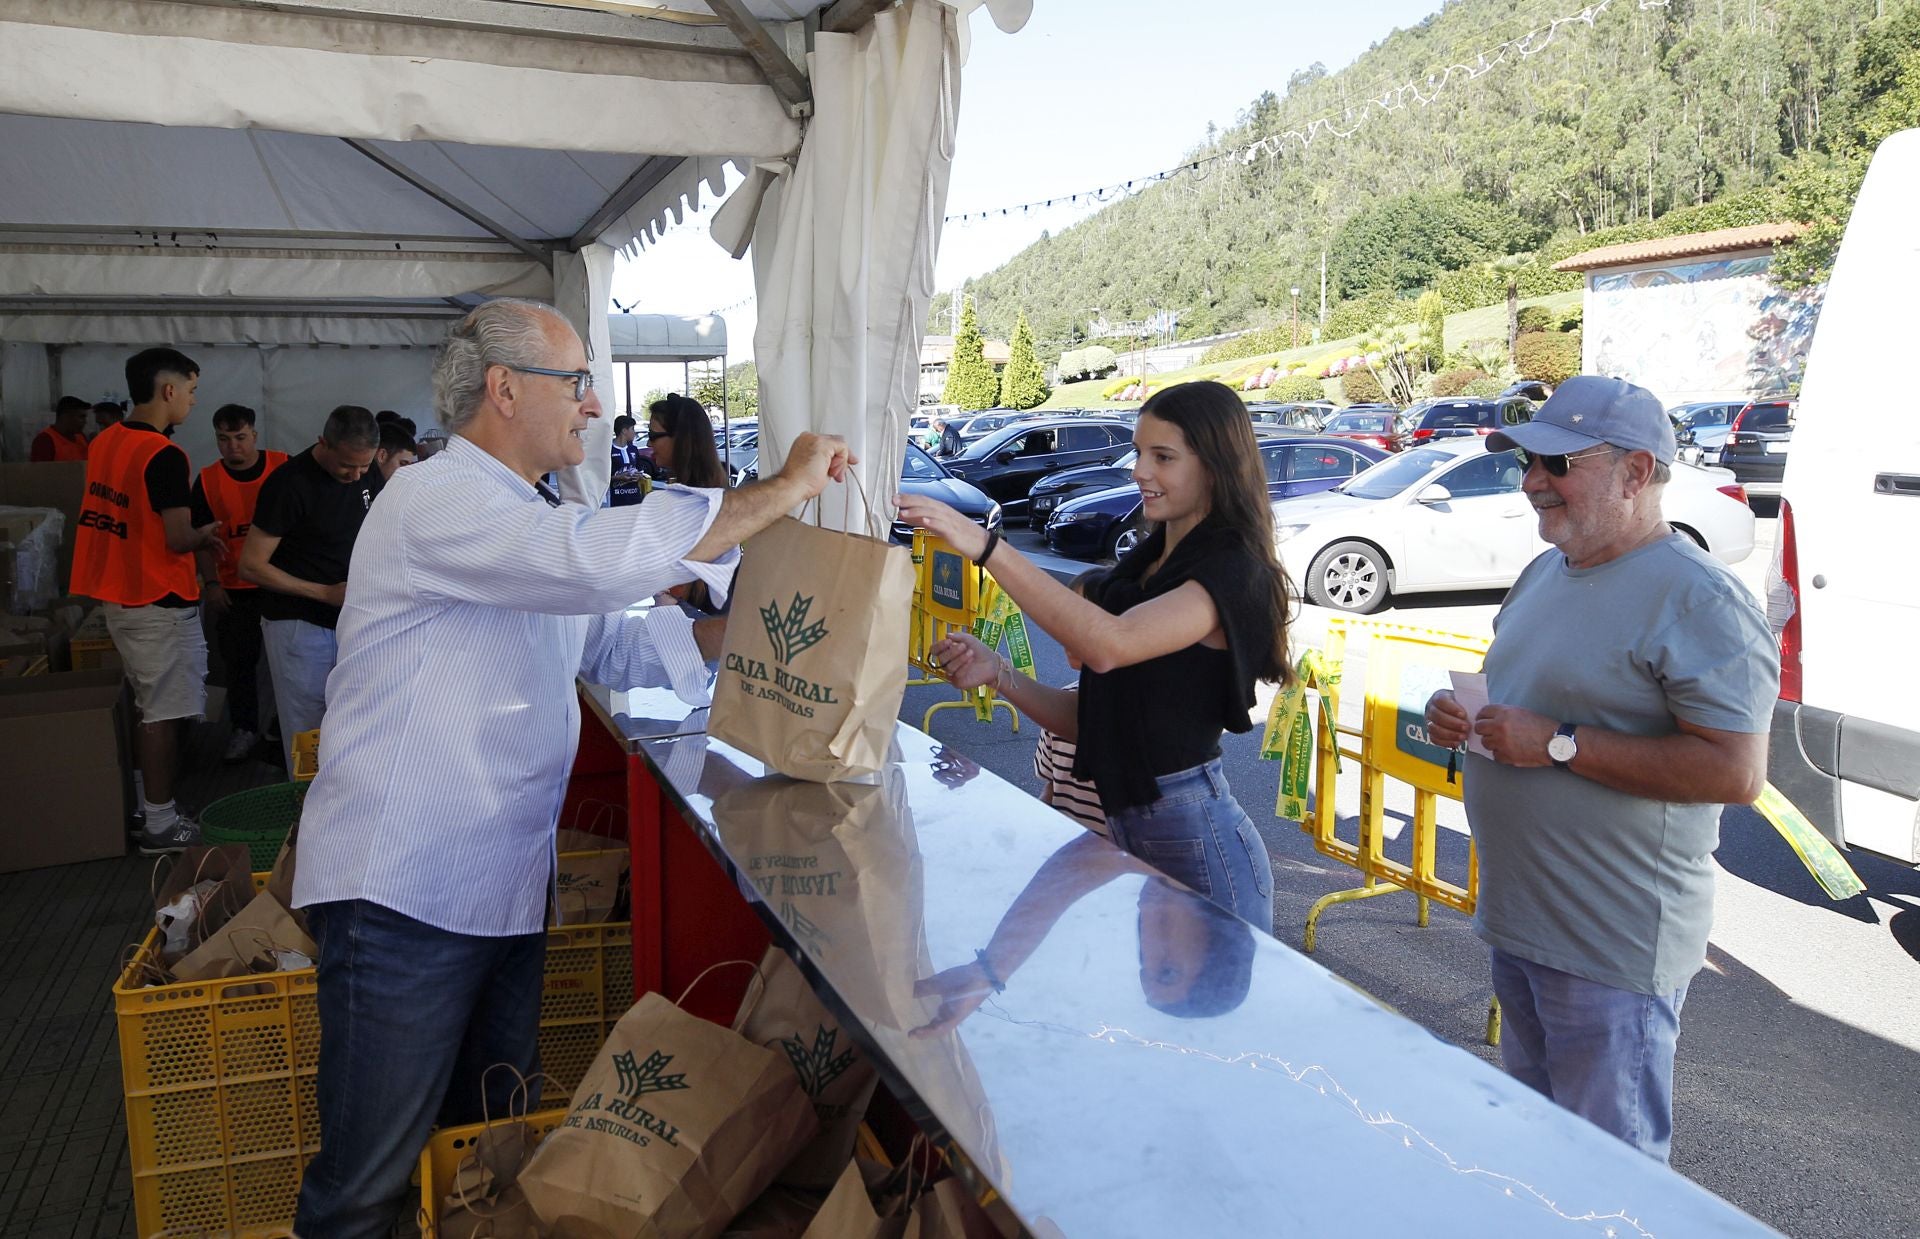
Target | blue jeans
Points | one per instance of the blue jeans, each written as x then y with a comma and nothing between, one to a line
301,657
1604,1053
1197,834
411,1017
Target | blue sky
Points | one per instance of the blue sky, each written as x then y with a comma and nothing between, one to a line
1090,93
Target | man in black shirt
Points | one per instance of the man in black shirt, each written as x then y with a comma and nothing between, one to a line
304,526
628,465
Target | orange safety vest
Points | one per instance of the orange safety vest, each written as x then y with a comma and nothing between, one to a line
120,545
63,447
232,503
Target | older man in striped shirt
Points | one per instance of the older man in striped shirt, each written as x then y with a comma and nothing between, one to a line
426,846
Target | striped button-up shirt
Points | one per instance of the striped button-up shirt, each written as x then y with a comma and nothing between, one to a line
452,718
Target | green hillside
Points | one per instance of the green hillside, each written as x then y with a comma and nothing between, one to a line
1692,115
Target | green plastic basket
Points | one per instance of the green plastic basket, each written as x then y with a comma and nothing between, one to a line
259,818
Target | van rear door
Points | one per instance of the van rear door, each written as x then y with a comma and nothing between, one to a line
1852,485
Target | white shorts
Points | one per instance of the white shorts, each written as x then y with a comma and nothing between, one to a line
165,653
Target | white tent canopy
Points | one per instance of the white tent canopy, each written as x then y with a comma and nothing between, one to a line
358,173
666,337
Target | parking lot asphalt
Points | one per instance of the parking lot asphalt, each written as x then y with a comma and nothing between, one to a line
1796,1095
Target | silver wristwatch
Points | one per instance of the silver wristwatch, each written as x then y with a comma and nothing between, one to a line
1563,748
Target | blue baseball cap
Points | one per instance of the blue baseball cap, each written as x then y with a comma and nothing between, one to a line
1586,411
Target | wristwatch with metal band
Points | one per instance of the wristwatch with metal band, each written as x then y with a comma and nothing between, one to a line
1563,748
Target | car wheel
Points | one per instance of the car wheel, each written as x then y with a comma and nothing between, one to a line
1350,577
1124,539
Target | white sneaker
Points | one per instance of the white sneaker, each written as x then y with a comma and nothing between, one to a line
183,834
240,745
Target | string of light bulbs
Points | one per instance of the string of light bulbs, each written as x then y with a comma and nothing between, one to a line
1331,126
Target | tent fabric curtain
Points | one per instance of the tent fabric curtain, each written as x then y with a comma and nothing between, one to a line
290,274
582,291
844,247
294,325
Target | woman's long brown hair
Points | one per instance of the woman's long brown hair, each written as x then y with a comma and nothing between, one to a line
695,460
1216,426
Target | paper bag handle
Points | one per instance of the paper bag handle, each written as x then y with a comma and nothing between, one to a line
725,963
866,505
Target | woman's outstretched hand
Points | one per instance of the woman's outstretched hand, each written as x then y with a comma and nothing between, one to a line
965,661
944,523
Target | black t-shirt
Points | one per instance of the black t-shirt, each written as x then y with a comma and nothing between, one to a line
1166,714
167,478
202,510
316,519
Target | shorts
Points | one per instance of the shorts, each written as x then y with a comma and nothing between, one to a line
165,653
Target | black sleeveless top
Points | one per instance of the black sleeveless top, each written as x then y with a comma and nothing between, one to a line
1166,714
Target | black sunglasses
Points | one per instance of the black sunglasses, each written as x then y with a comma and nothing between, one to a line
1557,465
658,434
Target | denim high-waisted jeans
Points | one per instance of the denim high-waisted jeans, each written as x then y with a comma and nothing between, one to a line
1198,834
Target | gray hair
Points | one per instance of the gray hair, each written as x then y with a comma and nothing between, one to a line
1662,471
503,332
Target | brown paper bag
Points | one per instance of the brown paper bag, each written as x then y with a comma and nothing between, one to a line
777,1213
849,1212
246,943
588,886
677,1126
784,1014
230,866
949,1211
280,884
815,661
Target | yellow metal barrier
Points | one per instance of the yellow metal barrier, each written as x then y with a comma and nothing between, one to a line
1405,665
951,593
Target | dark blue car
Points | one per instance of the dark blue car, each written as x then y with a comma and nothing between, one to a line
1108,523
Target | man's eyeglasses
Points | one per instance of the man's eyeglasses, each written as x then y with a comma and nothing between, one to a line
1557,465
582,379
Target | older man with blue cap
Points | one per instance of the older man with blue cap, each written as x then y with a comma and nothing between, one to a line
1632,679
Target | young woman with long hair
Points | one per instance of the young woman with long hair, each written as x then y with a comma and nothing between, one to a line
1171,642
682,441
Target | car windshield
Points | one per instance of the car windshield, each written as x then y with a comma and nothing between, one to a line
919,467
1362,423
1396,473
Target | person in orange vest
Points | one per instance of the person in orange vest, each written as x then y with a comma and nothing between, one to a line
133,549
66,439
106,414
225,492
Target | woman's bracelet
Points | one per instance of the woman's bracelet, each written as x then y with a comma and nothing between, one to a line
986,970
1002,668
993,541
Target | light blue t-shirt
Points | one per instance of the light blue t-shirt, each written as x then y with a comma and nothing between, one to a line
1574,875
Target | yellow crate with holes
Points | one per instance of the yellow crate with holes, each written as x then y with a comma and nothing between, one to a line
445,1150
306,756
219,1077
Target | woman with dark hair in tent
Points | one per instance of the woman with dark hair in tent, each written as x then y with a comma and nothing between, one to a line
682,441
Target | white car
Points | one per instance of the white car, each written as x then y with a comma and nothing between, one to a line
1450,515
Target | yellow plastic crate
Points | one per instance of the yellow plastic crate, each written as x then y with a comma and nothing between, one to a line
588,987
306,756
219,1077
441,1158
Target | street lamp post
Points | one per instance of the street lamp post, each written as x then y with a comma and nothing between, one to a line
1296,317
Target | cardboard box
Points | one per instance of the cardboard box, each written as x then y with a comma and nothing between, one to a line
60,485
63,763
90,647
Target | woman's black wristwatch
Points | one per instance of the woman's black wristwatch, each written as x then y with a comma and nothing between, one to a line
993,540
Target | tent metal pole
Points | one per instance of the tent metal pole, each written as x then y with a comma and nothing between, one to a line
447,200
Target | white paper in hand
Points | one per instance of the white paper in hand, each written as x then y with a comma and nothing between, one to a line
1470,690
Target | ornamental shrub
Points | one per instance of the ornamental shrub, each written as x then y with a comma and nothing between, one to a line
1548,356
1573,318
1454,382
1483,387
1537,318
1296,387
1360,387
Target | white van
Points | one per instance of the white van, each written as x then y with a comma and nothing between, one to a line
1844,592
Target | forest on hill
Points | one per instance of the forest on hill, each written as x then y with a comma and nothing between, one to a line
1650,119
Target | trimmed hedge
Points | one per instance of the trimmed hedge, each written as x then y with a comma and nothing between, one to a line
1484,387
1548,356
1360,387
1454,382
1296,387
1536,318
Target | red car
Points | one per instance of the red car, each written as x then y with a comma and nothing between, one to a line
1378,425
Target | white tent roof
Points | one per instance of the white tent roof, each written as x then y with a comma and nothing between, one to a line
666,337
